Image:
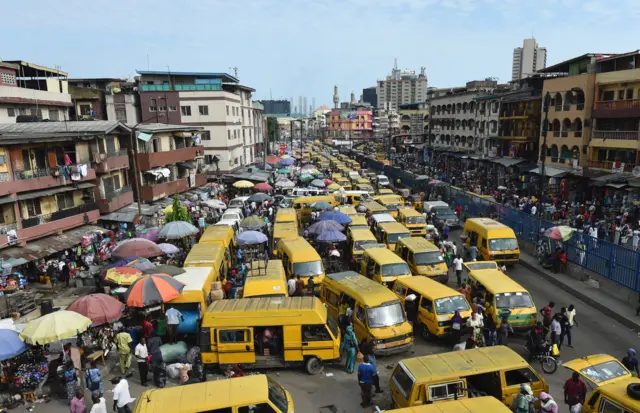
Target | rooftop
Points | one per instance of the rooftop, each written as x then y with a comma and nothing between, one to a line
33,70
224,76
563,67
97,79
164,127
89,127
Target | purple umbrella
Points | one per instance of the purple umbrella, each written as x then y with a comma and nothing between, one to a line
324,226
287,162
339,217
169,248
331,236
151,235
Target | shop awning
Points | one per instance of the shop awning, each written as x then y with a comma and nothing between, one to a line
46,246
612,179
6,199
120,217
508,161
188,164
550,171
53,191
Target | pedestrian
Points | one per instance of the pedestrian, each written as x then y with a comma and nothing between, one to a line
123,344
99,404
78,404
367,349
121,396
489,331
556,330
475,323
157,361
173,317
51,273
564,323
411,308
473,252
147,328
70,380
350,347
299,286
504,330
457,264
571,317
445,231
631,362
547,314
142,358
523,403
366,372
575,391
93,379
456,326
291,286
547,404
66,273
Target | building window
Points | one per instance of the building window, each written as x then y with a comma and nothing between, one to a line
234,134
22,111
243,135
33,207
228,134
227,110
54,114
185,110
153,108
172,108
11,112
162,108
204,110
65,201
8,79
121,115
206,136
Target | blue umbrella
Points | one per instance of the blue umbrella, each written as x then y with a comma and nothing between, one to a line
320,205
331,236
10,344
287,162
337,216
251,237
323,226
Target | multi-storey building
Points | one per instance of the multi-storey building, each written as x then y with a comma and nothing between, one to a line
259,126
350,123
487,121
29,89
414,122
370,96
214,101
615,135
401,87
276,106
105,99
571,93
528,59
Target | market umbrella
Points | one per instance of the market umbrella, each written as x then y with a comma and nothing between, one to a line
152,289
172,270
284,171
253,221
259,198
324,226
334,187
123,275
285,156
560,233
140,263
337,216
306,177
318,183
215,204
287,162
136,247
121,262
263,187
321,205
243,184
251,237
10,344
273,160
54,327
331,236
99,308
151,234
315,172
308,167
328,181
285,183
169,248
177,230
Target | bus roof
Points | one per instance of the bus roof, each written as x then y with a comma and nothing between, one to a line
362,235
487,222
389,199
418,244
393,227
301,247
383,256
217,394
497,281
373,205
273,271
409,212
194,278
216,233
261,311
434,288
204,254
288,229
617,391
358,220
454,364
380,218
475,405
362,288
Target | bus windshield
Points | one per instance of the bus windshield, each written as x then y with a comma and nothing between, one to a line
429,258
307,269
385,316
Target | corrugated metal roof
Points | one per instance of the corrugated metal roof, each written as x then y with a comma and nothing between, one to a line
164,127
52,191
48,245
225,76
97,126
119,217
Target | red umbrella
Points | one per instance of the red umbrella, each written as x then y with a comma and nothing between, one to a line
153,289
136,247
273,160
99,308
262,187
328,182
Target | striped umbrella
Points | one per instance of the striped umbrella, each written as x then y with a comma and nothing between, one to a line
152,289
123,275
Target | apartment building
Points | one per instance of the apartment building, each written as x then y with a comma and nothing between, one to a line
28,89
105,99
401,87
488,121
216,102
528,59
350,123
259,127
414,122
56,176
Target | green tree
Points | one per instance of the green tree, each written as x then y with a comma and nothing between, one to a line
179,212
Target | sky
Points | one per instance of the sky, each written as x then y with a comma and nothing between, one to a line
285,48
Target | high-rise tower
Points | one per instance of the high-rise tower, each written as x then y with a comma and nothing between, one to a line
336,97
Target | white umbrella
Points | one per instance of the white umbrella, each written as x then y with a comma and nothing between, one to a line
215,204
177,229
285,183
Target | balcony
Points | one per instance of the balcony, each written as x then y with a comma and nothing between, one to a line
632,135
616,139
42,178
13,94
629,108
43,225
614,166
115,200
147,161
111,161
150,193
6,186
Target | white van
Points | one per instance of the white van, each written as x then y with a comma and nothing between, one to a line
354,175
296,192
382,180
239,202
378,219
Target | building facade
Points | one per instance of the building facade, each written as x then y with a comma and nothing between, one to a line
105,99
259,127
528,59
350,123
401,87
28,89
214,101
276,106
414,123
370,96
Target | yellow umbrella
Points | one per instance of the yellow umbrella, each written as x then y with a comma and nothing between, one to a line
285,157
123,275
243,184
168,209
334,187
54,327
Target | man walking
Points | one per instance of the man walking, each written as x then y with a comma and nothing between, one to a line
365,379
121,396
457,264
575,391
366,348
123,344
142,354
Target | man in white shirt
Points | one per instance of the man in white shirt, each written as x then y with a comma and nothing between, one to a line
99,405
534,209
142,354
291,286
173,320
121,396
457,264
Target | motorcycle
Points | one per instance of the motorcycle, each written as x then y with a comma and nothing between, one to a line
548,361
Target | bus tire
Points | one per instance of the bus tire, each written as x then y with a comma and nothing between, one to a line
314,366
